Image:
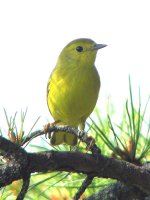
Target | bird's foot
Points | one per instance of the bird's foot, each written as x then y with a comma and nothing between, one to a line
90,145
47,126
90,141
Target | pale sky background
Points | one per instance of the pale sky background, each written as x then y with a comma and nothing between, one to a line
33,32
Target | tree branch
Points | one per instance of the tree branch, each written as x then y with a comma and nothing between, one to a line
21,164
74,162
103,167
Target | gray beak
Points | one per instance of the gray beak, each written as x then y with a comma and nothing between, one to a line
99,46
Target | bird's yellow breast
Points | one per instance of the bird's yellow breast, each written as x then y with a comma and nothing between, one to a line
72,93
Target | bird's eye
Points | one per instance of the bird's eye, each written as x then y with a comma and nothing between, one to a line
79,48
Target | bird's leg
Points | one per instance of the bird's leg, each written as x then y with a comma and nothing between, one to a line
46,128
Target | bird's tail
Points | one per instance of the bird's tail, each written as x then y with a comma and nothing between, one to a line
58,138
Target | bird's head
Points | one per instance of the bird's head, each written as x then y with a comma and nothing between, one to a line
80,52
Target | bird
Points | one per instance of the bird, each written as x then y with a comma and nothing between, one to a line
73,88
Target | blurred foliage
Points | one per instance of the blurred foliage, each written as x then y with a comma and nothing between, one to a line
129,140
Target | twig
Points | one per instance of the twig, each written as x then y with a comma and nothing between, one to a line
25,185
56,128
88,180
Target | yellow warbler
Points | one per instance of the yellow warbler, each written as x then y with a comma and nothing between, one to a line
73,87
